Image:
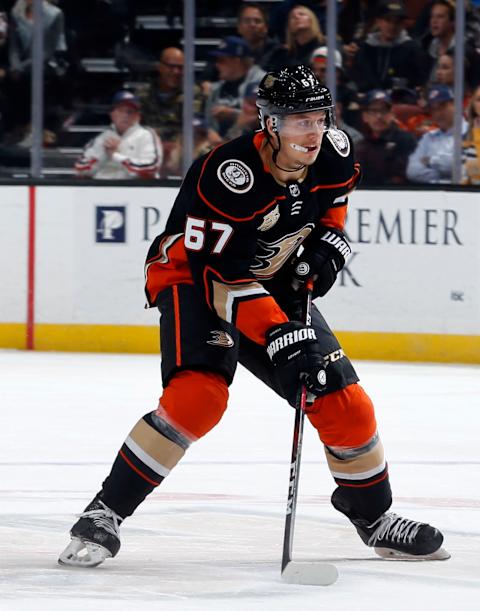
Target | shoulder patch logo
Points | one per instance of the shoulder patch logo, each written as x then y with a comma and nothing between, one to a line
235,175
270,219
340,141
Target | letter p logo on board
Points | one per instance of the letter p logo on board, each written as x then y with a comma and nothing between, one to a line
110,223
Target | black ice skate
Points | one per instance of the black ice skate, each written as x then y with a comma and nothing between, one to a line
398,538
95,536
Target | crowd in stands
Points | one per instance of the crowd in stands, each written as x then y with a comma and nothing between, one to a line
115,67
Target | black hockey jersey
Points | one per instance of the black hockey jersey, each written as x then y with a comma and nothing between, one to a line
233,227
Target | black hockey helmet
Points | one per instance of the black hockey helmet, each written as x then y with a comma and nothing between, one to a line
292,90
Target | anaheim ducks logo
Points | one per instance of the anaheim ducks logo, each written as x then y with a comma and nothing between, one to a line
270,219
272,255
221,338
269,81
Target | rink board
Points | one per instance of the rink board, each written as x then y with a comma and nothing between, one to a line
410,290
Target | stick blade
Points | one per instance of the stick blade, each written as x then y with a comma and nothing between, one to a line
310,573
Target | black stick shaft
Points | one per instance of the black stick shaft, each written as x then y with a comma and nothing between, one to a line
296,453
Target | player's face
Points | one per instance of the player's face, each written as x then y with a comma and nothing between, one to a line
301,136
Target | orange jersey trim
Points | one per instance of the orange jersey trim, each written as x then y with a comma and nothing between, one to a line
160,276
335,217
352,180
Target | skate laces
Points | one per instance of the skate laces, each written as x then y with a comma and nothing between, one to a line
393,527
104,518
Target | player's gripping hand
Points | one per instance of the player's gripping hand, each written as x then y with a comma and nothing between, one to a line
294,351
322,261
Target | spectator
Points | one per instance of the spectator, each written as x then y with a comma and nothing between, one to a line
247,118
432,160
280,13
344,107
445,69
441,33
389,57
345,94
445,73
384,152
318,63
162,106
21,37
162,98
236,71
411,112
471,144
355,22
252,25
4,97
303,36
126,149
20,42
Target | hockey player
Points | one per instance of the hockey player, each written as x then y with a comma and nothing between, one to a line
253,220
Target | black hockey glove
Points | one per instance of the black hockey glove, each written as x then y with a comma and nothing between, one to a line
294,351
321,261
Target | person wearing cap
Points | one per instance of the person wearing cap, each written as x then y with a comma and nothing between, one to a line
126,149
236,70
432,160
346,94
389,56
318,63
384,152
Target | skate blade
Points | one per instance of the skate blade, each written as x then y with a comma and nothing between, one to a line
390,554
83,554
310,573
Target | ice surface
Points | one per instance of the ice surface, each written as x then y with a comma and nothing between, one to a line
211,536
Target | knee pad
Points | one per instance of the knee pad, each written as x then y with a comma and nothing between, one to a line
344,418
193,402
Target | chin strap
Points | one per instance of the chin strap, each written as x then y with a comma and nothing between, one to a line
276,151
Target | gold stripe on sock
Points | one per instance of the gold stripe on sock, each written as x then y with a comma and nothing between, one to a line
363,466
156,445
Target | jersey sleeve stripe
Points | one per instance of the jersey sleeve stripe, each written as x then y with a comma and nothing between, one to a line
335,217
351,181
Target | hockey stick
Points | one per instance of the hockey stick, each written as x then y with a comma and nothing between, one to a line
306,573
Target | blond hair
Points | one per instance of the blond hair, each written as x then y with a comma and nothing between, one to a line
315,27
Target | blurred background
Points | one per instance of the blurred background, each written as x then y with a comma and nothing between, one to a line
194,67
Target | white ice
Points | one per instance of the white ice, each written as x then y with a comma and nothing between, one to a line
210,537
